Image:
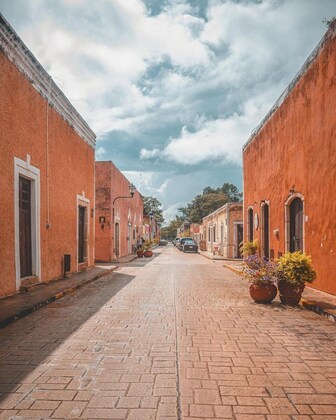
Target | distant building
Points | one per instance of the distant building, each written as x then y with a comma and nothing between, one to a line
194,231
118,220
290,168
46,173
183,230
223,230
151,228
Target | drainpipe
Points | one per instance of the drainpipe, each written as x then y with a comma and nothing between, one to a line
227,230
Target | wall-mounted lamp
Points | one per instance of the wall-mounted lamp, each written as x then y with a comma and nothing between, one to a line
276,232
102,219
131,188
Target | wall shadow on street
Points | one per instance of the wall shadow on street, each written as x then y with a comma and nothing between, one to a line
33,340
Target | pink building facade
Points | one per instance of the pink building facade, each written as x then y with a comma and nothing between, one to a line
46,174
118,221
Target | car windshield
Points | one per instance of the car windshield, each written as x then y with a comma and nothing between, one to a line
189,242
186,239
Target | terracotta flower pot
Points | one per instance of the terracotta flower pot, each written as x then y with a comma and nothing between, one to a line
290,294
264,293
140,254
148,254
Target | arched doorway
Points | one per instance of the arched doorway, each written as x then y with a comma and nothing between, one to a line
296,225
265,229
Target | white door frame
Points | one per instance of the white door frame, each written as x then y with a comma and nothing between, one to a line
26,170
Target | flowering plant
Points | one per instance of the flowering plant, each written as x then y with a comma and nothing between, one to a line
259,271
296,268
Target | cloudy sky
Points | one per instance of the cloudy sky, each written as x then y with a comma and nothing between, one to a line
172,88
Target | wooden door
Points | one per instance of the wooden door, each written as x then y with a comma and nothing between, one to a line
250,226
25,227
266,231
81,233
296,225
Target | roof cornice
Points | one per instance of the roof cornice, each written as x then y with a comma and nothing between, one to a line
19,54
329,33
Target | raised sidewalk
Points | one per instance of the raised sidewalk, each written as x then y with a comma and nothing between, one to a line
322,303
23,303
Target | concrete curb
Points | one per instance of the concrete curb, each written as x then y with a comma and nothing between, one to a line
51,299
312,306
235,270
210,257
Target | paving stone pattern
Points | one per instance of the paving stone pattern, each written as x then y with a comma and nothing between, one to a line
173,337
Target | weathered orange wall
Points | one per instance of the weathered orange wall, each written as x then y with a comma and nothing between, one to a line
296,149
23,114
111,183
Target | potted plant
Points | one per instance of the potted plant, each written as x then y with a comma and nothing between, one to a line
148,253
249,248
140,252
262,276
293,271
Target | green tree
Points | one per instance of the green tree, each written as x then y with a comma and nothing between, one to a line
232,192
210,200
153,205
170,231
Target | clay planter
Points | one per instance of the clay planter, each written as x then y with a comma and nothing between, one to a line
290,294
263,293
140,254
148,254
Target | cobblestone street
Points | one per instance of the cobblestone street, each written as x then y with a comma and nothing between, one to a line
176,336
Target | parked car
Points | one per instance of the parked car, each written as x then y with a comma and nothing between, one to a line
163,242
189,246
176,241
182,240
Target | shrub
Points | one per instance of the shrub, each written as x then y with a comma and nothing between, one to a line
295,268
249,248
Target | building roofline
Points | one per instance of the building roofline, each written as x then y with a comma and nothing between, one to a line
19,54
304,68
223,207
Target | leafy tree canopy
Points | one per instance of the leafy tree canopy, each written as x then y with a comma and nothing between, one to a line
210,200
170,231
153,205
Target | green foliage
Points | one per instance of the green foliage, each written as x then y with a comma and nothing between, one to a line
147,244
296,268
210,200
249,248
153,205
169,231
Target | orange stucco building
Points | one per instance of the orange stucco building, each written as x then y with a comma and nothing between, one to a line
118,220
46,173
290,168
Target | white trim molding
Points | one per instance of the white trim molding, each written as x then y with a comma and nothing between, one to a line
18,53
26,170
84,202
